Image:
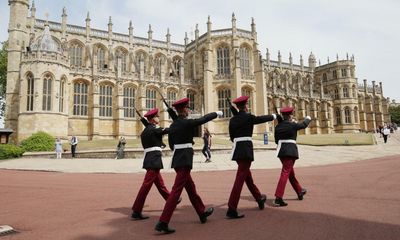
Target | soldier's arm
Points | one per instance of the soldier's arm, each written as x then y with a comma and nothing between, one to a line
263,118
206,118
172,113
144,121
303,124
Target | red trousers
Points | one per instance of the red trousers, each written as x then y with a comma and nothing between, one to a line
152,176
243,174
287,172
182,180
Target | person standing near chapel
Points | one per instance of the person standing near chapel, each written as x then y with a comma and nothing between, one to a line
151,138
121,148
207,145
385,133
240,132
180,139
59,148
74,143
285,138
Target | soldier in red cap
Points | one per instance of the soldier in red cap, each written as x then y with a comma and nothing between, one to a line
240,132
285,138
151,138
180,138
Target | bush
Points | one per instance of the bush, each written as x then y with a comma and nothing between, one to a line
38,142
10,151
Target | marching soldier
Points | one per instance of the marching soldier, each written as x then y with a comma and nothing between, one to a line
285,138
240,132
152,143
180,138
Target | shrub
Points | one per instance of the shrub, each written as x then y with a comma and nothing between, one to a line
39,141
10,151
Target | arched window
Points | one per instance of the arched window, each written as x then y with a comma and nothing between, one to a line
356,114
75,55
347,115
30,93
344,72
61,95
105,101
247,92
337,116
177,67
336,93
157,65
244,55
47,88
151,101
223,104
354,90
223,62
190,95
129,102
141,57
345,92
101,58
80,99
334,74
324,77
121,58
171,97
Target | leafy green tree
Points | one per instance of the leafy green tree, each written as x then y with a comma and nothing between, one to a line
3,77
395,114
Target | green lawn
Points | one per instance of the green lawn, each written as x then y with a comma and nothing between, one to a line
315,140
333,139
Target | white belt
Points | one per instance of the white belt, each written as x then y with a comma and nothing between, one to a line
283,141
183,145
152,149
239,139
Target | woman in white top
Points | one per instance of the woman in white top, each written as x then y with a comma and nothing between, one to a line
385,133
58,148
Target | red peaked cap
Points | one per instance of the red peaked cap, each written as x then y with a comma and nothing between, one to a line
182,103
241,100
287,110
152,113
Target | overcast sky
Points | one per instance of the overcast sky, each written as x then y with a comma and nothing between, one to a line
368,29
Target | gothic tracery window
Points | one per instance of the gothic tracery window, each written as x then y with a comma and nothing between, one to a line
244,54
151,101
223,61
75,55
129,102
247,92
101,58
347,115
223,104
80,99
105,100
190,95
30,93
47,89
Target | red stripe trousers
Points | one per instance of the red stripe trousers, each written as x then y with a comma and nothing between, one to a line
243,175
182,180
152,176
287,173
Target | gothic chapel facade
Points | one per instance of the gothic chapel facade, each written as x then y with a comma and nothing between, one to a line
72,80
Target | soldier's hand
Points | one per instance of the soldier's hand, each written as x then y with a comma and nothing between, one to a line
308,117
219,113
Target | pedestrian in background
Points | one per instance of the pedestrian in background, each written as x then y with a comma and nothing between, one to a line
74,144
385,133
121,148
207,145
59,148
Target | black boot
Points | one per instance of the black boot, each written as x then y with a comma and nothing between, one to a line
233,214
279,202
301,194
205,214
261,201
138,216
163,227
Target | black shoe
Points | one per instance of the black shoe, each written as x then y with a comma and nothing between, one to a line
261,201
301,194
138,216
279,202
179,201
163,227
233,214
205,214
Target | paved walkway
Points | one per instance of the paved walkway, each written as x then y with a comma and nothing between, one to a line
266,159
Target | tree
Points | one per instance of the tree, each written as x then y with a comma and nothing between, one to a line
394,112
3,77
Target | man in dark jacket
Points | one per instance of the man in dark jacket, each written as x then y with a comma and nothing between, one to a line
151,138
285,138
180,138
240,132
